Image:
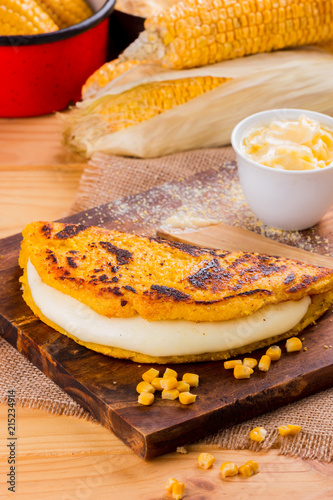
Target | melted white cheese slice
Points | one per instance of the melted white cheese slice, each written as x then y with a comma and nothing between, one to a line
165,337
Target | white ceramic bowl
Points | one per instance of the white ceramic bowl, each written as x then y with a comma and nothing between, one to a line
284,199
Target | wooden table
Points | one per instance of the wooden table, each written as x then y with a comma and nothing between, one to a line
66,458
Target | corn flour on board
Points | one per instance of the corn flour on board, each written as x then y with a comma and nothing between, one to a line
106,386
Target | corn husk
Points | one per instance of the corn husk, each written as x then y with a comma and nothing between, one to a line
299,78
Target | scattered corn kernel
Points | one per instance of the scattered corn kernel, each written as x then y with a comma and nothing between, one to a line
274,352
293,344
170,394
254,466
146,398
181,449
145,387
169,383
305,349
228,469
205,460
284,431
170,482
192,379
241,371
156,383
187,398
177,490
289,430
245,470
250,362
170,373
294,429
231,363
258,434
183,386
149,375
264,363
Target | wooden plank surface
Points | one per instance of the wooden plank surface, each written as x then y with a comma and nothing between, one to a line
42,192
38,179
89,376
65,458
32,141
81,446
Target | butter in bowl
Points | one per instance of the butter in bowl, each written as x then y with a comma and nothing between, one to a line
285,166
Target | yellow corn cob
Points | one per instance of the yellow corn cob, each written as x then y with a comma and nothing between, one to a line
24,17
105,74
200,32
112,113
66,12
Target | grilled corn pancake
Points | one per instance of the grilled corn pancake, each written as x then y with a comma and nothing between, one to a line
146,283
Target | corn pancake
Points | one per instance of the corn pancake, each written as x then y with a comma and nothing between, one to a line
122,275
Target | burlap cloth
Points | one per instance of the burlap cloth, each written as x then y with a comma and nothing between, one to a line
104,181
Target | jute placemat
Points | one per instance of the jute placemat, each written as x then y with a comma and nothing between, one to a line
106,180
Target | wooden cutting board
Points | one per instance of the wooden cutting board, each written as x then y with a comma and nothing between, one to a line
106,386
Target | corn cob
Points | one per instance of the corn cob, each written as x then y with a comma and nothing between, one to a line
201,32
104,75
66,12
112,113
24,18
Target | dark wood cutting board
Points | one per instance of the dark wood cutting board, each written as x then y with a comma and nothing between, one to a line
106,386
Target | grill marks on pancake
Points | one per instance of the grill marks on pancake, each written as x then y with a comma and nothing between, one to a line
236,275
257,291
212,273
110,290
47,230
51,256
168,292
166,273
306,281
189,249
71,262
123,256
289,278
69,231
